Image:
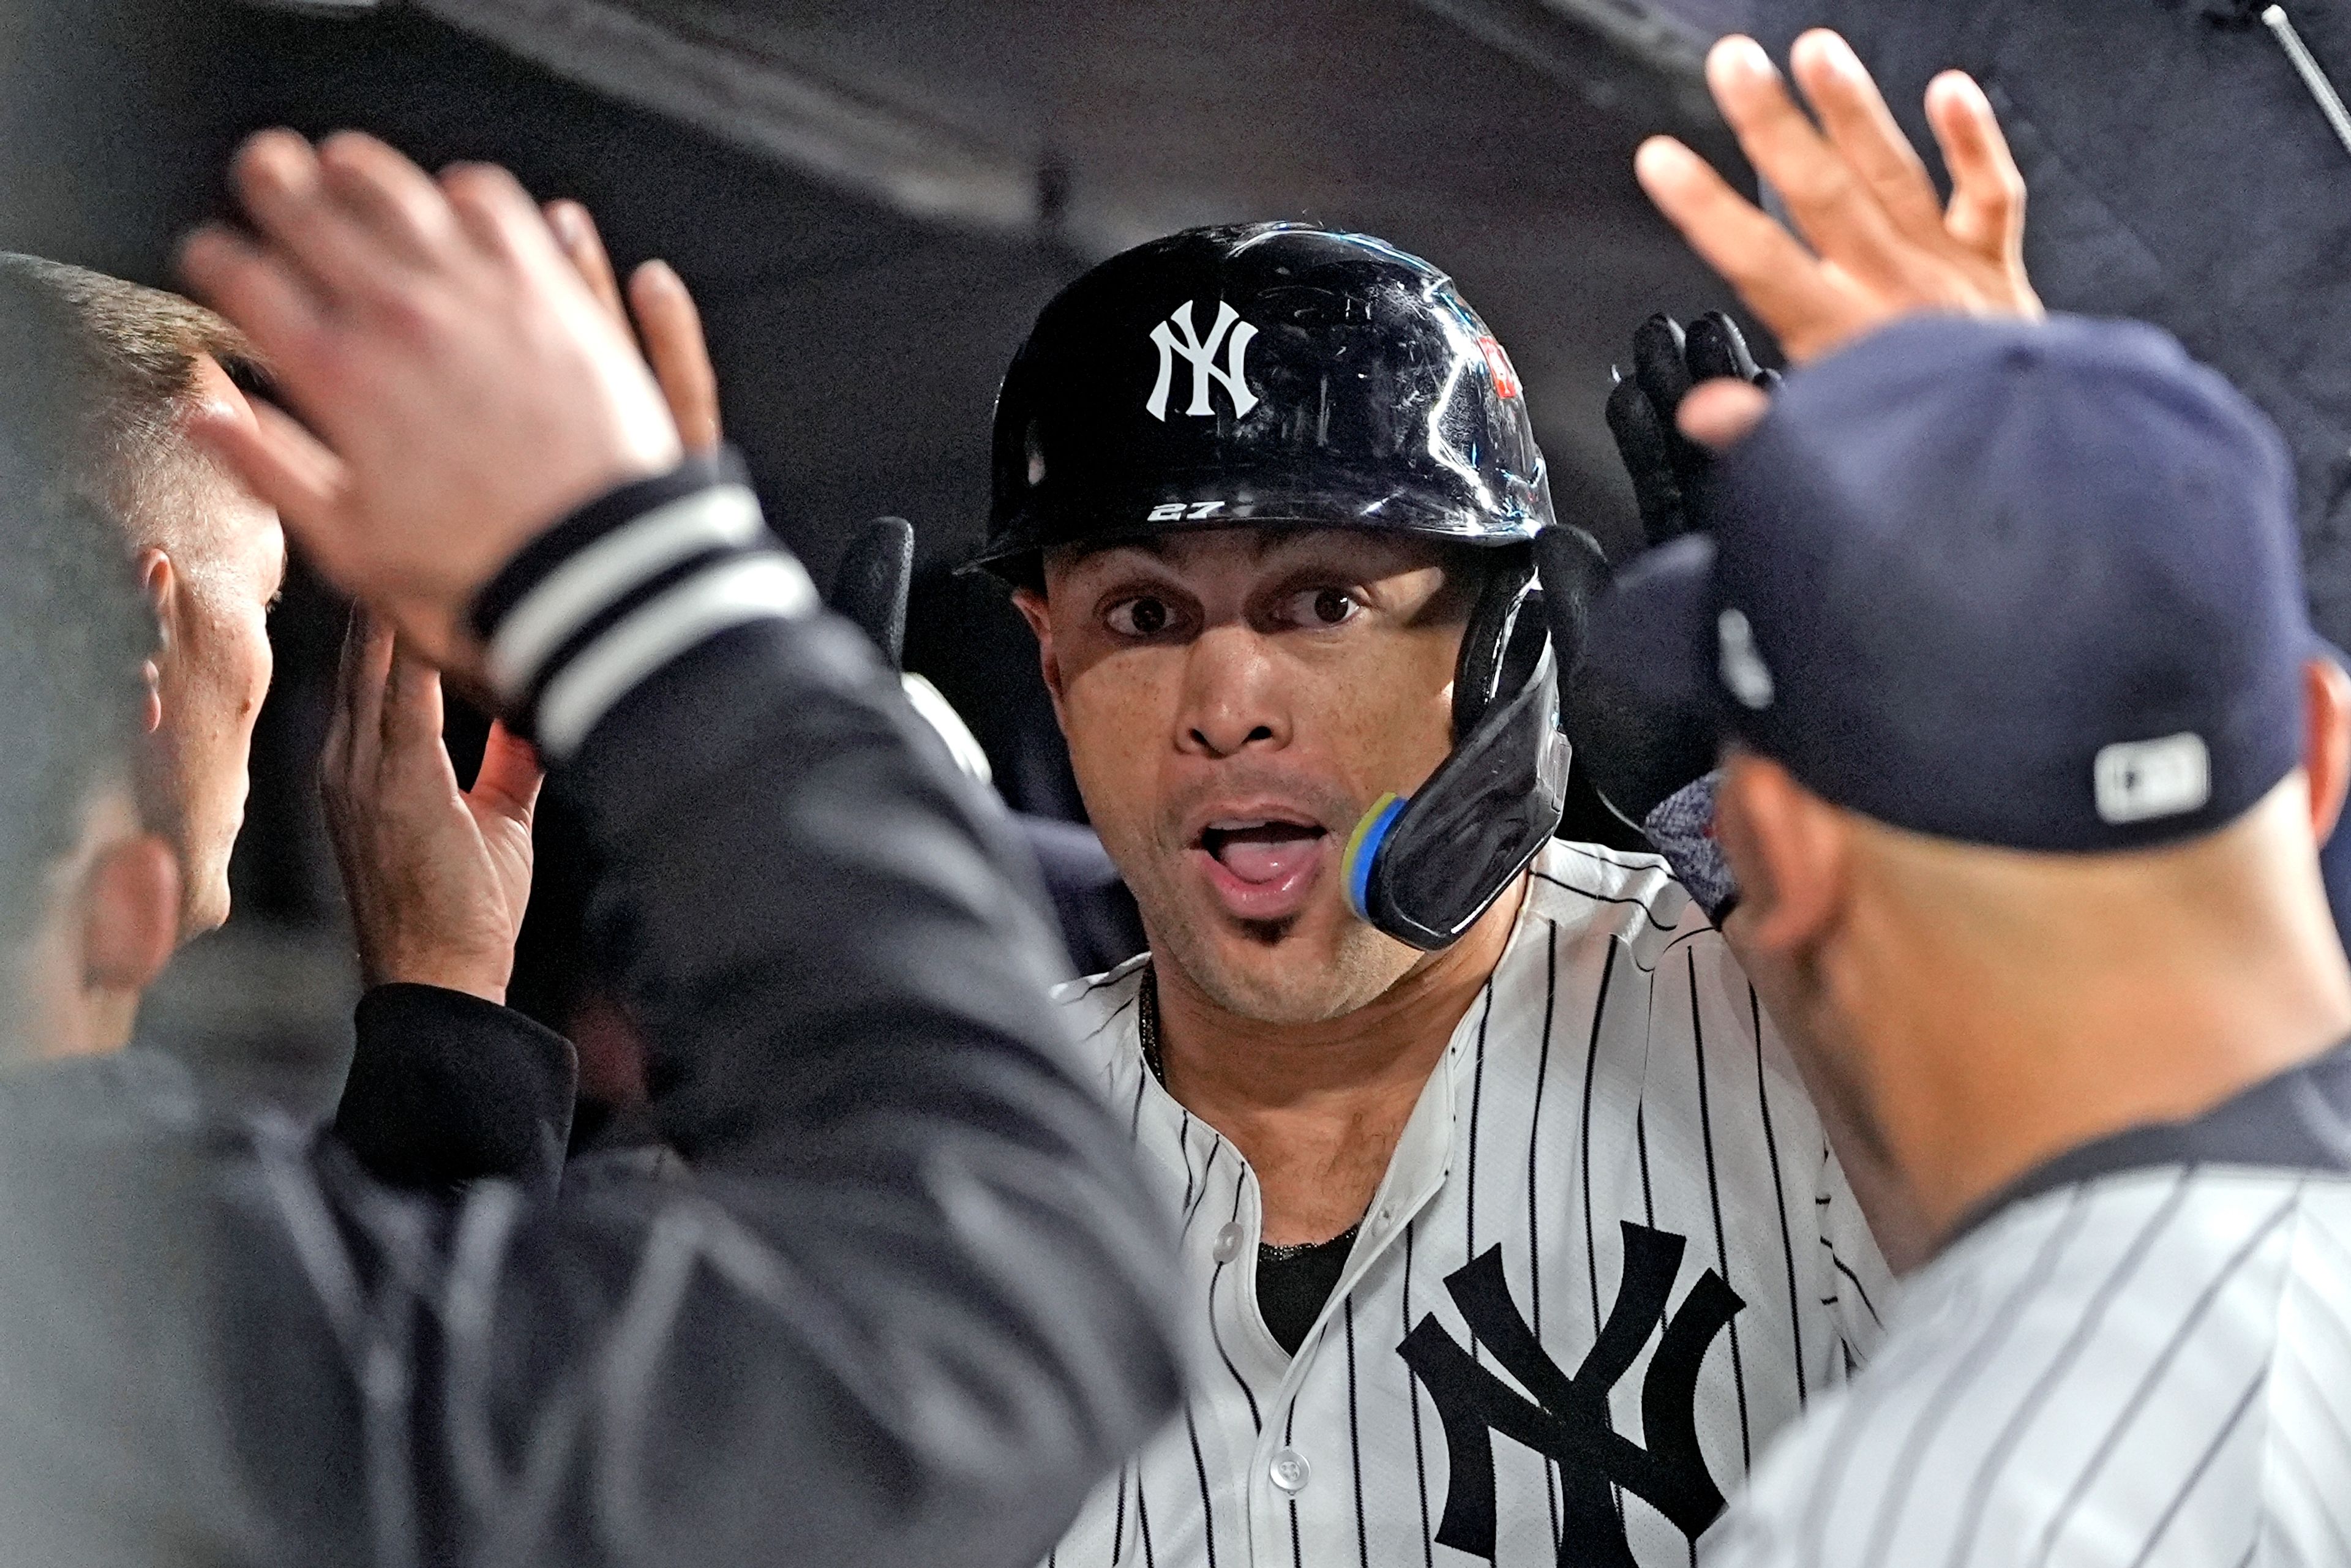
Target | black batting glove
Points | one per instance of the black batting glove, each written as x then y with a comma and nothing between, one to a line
1648,756
1637,752
1668,469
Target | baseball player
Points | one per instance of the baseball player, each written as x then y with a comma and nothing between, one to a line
2056,935
1505,1214
1509,1227
1508,1223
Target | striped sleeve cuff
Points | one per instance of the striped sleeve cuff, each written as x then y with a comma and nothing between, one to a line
624,586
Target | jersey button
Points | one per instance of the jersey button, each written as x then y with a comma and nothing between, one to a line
1229,1243
1290,1471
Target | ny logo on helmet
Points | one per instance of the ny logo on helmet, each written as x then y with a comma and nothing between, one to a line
1176,336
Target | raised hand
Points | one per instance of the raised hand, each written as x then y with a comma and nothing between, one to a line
667,323
462,388
1877,243
437,877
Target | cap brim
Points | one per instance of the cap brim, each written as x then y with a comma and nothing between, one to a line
1642,708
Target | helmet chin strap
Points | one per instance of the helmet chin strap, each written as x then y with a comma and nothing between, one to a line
1422,870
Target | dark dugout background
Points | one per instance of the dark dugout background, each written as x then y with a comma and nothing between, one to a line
870,201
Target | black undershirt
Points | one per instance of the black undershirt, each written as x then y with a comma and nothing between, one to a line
1293,1282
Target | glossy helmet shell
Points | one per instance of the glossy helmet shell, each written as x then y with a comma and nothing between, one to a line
1261,375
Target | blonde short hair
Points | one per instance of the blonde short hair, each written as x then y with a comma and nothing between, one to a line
134,380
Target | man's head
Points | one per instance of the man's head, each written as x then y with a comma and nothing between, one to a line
147,367
2030,736
1266,493
1235,702
89,900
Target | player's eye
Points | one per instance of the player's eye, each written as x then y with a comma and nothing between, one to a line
1143,616
1316,609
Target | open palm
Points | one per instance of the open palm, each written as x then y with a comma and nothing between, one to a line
438,877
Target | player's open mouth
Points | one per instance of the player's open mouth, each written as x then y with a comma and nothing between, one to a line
1261,868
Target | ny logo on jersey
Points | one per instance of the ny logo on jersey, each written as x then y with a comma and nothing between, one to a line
1176,336
1567,1420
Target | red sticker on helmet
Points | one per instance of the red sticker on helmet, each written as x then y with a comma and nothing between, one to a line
1505,379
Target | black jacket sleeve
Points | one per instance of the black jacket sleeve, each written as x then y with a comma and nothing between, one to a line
446,1089
914,1302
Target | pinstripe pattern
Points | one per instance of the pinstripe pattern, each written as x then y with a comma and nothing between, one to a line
2151,1366
1616,1069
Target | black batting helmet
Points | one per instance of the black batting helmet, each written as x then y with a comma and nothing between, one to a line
1262,374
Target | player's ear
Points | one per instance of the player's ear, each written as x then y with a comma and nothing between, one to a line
1030,602
1787,850
158,584
2327,745
131,915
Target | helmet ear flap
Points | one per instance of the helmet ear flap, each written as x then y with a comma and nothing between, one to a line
1500,644
1424,870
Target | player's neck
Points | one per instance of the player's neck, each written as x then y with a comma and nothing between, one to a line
1990,1071
1317,1108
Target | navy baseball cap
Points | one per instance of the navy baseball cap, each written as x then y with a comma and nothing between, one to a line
2033,585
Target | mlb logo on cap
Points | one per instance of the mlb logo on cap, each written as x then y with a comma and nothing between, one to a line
2139,780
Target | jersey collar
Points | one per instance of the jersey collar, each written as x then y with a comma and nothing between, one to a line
2299,1120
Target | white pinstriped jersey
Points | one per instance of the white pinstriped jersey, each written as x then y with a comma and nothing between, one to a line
1612,1136
2148,1366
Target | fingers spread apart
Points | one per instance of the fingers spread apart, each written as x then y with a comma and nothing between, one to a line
1778,279
1875,242
1863,131
1832,204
